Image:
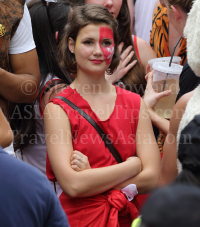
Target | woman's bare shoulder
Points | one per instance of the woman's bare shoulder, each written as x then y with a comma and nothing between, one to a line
145,51
182,102
178,112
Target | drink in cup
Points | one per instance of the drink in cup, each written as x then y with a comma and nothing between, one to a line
166,78
175,60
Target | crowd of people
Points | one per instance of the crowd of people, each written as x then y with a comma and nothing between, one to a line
81,142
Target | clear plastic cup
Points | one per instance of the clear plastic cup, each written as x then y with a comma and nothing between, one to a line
175,60
166,78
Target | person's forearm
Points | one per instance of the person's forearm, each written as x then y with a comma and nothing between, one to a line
159,122
145,181
21,88
169,170
95,181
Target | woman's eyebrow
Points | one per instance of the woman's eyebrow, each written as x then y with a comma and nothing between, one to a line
88,38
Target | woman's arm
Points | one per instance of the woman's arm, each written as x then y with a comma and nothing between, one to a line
88,182
6,134
145,51
169,161
160,122
148,152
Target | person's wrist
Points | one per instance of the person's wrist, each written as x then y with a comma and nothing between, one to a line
151,109
151,113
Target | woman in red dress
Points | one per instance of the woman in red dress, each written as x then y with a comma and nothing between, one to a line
96,195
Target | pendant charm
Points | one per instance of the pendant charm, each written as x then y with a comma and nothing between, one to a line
2,30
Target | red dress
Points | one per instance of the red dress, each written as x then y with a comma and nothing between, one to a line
104,209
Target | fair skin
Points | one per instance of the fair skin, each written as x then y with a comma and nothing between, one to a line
131,10
22,83
6,134
173,33
141,170
158,121
169,161
146,53
168,166
79,161
177,17
168,171
113,6
162,2
178,20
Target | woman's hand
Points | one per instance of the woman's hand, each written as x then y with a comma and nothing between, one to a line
124,65
150,96
79,161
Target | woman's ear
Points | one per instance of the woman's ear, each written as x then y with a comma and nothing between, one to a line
177,13
71,45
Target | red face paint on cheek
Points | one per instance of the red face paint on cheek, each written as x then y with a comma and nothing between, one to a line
108,51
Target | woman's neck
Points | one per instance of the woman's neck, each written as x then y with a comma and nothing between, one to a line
89,84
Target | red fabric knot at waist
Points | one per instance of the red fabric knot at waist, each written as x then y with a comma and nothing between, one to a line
120,206
100,210
117,200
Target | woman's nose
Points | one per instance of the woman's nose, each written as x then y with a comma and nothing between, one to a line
108,4
97,50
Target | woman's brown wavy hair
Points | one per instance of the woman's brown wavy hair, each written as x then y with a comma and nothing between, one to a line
80,17
134,80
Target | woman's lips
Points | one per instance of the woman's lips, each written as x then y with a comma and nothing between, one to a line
96,61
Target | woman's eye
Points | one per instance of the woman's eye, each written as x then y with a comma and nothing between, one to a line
107,43
87,42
